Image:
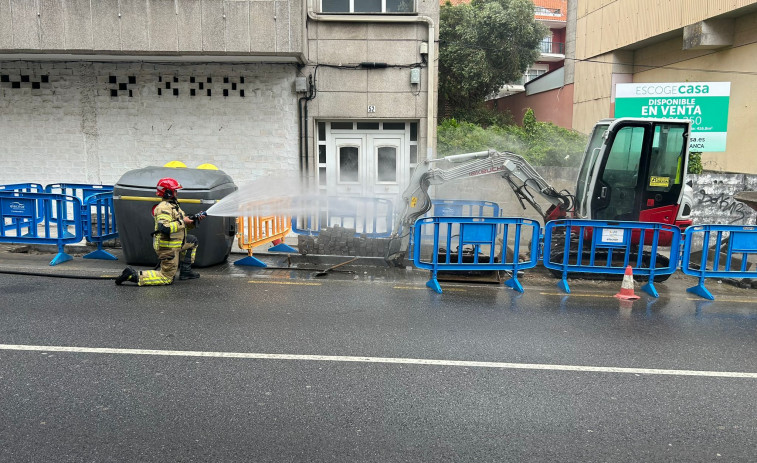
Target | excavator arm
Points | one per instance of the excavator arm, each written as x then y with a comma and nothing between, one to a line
516,171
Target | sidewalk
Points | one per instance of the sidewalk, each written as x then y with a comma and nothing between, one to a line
35,259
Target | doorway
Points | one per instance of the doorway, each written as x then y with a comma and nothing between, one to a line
366,159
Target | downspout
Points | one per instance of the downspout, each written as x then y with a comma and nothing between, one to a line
430,127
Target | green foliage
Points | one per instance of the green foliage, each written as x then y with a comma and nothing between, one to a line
540,143
455,137
483,116
695,163
482,46
529,124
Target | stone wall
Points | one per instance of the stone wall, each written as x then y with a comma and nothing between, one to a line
713,199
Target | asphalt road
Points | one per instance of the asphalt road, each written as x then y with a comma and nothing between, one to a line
272,368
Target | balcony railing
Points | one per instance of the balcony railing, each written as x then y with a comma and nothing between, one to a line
557,48
542,11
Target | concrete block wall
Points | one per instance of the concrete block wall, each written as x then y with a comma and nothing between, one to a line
243,27
713,199
88,122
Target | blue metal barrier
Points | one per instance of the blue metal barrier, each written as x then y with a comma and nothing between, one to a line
99,223
594,246
458,208
79,190
22,188
724,257
25,188
463,208
476,240
18,220
370,217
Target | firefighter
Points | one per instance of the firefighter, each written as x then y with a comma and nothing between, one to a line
175,248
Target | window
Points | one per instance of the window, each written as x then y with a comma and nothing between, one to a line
322,172
367,6
386,164
623,163
542,11
413,147
342,126
668,145
547,45
616,197
349,158
587,168
368,126
532,74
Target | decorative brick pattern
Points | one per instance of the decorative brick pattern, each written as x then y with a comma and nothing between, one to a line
24,79
197,86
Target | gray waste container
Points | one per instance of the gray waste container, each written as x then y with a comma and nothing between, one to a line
134,197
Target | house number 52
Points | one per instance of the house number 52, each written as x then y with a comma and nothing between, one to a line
371,109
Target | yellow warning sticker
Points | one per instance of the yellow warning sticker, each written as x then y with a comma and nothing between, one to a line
659,181
413,201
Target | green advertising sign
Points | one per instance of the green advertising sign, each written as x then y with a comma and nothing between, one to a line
705,104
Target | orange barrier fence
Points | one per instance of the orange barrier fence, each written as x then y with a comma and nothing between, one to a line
256,231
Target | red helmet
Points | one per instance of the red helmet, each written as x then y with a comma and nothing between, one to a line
167,184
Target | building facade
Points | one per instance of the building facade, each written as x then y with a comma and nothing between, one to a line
638,41
543,87
341,93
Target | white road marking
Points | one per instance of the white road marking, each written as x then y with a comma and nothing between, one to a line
405,361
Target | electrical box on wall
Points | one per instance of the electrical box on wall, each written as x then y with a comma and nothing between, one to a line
300,85
415,76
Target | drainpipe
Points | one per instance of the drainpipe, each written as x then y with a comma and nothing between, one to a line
430,127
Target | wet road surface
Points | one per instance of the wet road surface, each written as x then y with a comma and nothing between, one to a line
274,366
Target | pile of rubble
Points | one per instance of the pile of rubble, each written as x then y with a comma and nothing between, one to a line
342,242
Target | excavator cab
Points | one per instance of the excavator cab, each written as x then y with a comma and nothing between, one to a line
634,170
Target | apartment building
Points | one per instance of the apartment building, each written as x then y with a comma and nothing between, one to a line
339,92
676,41
543,87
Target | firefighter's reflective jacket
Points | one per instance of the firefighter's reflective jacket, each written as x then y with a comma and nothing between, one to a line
170,215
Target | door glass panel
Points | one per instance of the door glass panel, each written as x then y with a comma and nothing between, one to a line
386,164
622,168
367,125
394,126
587,168
621,175
349,164
667,158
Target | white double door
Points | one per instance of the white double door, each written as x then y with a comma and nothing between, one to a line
368,165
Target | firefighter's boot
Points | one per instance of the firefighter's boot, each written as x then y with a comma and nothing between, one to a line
129,274
185,270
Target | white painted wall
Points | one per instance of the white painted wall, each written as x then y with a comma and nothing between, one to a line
71,129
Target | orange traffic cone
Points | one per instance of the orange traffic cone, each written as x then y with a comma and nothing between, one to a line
626,288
